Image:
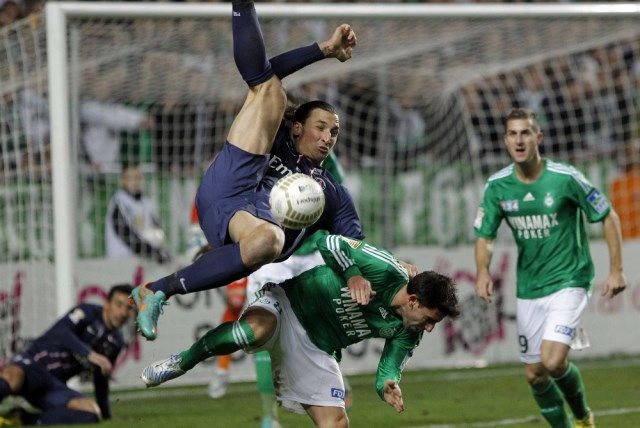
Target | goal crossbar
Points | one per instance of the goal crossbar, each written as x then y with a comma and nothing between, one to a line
57,14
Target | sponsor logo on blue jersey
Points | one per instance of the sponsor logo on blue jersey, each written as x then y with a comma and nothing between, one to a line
337,393
567,331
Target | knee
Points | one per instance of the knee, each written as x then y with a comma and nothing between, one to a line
555,366
536,376
335,420
263,324
14,376
263,246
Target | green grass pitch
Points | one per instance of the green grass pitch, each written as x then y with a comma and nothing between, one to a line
494,396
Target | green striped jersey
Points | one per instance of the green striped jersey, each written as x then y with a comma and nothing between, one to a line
546,219
321,301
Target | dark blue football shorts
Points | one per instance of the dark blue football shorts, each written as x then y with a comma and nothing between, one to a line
42,389
229,186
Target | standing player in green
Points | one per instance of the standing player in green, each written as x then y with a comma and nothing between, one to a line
306,321
543,203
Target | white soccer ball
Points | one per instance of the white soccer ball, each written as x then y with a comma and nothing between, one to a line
297,201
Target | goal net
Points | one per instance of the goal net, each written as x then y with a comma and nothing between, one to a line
420,107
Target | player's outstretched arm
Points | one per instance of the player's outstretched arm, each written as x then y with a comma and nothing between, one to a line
341,43
616,281
393,395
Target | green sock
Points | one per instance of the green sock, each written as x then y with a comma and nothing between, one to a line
572,387
222,340
265,385
551,405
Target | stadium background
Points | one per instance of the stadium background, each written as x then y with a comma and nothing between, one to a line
420,107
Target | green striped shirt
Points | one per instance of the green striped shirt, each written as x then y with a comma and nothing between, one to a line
322,302
546,219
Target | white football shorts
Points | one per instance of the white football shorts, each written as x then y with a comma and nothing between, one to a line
280,272
302,372
555,317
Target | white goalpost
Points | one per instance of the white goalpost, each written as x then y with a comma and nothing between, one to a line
87,88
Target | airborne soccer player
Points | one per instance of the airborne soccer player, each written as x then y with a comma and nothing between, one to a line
233,197
544,203
283,320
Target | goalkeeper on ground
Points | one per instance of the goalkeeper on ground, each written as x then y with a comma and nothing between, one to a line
306,321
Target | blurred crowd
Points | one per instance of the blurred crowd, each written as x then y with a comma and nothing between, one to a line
168,96
12,10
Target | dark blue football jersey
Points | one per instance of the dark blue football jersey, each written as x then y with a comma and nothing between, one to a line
339,216
63,349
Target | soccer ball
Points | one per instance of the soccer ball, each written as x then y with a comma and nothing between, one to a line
297,201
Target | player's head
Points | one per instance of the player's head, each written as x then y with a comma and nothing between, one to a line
117,309
522,135
315,128
131,179
432,297
10,11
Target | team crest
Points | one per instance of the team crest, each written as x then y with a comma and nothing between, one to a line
509,206
548,200
387,332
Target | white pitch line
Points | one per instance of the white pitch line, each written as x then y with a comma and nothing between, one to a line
526,419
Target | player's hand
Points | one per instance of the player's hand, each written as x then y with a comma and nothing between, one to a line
101,361
341,43
393,395
616,283
484,286
412,270
360,289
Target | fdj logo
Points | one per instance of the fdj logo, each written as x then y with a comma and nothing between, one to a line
337,393
567,331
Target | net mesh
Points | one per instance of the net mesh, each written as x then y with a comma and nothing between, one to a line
420,105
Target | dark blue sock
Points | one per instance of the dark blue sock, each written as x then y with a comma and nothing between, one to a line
248,45
62,415
5,389
215,268
289,62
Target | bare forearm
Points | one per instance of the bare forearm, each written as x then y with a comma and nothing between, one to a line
483,253
613,236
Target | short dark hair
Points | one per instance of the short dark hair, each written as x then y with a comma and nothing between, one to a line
304,110
435,291
120,288
522,113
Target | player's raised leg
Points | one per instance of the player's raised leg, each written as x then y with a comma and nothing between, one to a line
254,128
252,132
254,329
